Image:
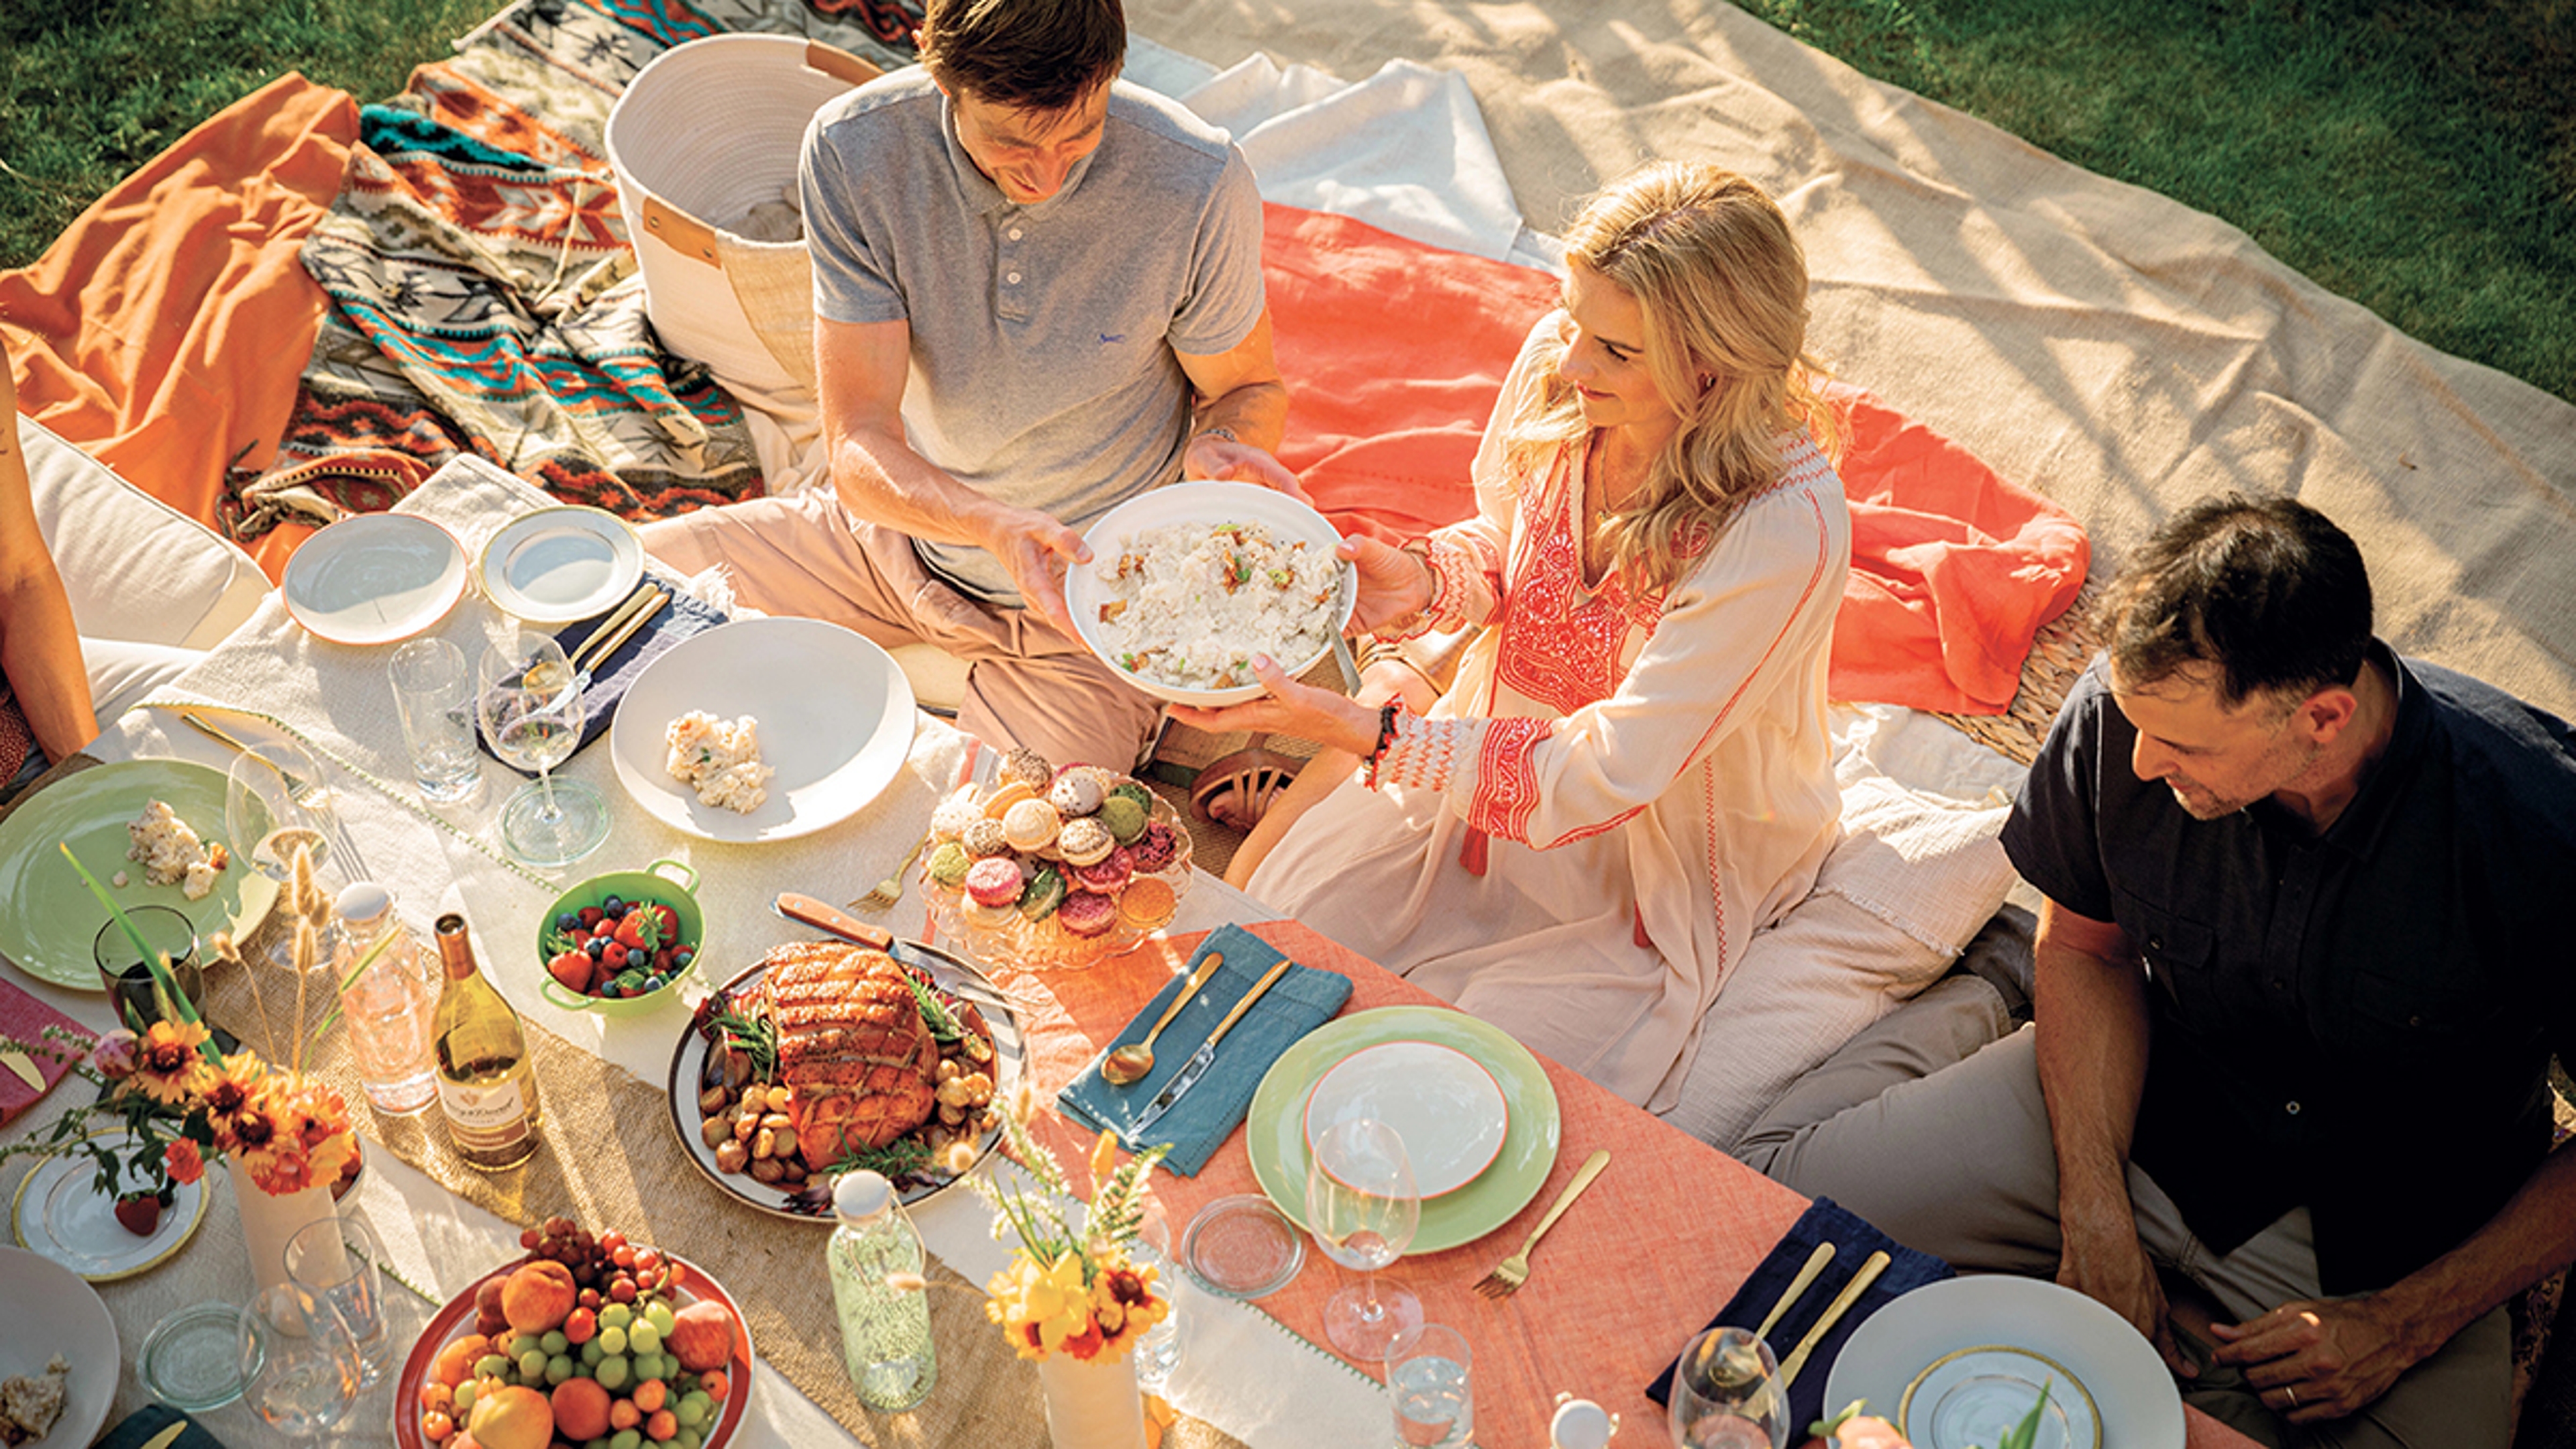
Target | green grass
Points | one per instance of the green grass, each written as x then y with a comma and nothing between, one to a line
2417,156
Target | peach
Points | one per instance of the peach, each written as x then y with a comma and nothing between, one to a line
489,1320
456,1361
512,1416
701,1336
538,1296
581,1410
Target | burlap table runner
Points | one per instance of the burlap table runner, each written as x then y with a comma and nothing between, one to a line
609,1156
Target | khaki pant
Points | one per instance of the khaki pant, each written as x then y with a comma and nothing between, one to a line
1026,683
1933,1130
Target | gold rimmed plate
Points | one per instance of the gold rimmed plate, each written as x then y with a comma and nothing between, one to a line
60,1213
1975,1396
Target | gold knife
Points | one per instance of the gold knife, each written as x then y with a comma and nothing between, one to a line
1199,1061
1798,1287
1834,1311
295,784
618,636
18,1062
167,1437
644,600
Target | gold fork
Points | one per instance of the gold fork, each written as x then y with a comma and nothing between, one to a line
1512,1272
890,889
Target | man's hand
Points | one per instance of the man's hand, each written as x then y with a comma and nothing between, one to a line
2112,1268
2321,1359
1209,456
1036,550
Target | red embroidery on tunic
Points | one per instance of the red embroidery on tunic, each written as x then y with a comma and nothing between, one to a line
1507,777
1561,646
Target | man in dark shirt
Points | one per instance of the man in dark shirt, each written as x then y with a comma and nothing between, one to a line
2300,970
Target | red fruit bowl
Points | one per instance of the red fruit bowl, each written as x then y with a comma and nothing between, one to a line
692,1284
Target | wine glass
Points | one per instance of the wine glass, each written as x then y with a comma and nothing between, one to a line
1727,1394
1362,1207
273,800
529,703
300,1366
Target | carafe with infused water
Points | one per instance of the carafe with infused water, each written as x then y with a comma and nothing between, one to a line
390,1005
486,1090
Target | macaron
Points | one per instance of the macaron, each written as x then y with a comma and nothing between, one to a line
1044,892
1084,841
985,838
1031,825
1130,790
1124,817
949,864
1147,902
1075,793
1026,767
995,881
1085,914
1156,849
1006,795
1109,874
954,814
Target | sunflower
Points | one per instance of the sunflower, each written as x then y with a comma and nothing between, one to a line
168,1061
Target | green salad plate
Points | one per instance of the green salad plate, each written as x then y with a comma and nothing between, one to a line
53,919
1275,1129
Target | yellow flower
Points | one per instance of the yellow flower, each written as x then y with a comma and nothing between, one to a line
1041,1306
1104,1157
167,1064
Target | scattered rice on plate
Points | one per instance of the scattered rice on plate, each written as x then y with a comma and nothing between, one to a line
719,760
171,852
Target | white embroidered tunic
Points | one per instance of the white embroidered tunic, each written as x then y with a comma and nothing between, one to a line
1577,840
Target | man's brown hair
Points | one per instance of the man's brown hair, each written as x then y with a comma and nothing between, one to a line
2268,592
1024,55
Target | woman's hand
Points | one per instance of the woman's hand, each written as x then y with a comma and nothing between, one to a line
1292,709
1394,585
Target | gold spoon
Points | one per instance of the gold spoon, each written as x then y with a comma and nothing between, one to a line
1130,1063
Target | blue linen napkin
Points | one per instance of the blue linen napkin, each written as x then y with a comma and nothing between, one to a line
1824,1221
610,678
136,1429
1199,1122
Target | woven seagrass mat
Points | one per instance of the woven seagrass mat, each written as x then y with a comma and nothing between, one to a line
2058,656
609,1156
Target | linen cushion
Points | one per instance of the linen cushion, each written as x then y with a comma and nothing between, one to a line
135,567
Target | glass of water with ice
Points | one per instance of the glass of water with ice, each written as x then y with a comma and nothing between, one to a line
1427,1379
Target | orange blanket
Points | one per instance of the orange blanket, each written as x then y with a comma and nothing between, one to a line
165,329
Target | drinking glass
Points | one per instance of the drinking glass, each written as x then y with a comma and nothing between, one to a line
1427,1370
334,1260
1362,1208
434,694
129,980
300,1365
530,705
1727,1394
1159,1351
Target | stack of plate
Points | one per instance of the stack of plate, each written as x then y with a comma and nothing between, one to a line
1477,1115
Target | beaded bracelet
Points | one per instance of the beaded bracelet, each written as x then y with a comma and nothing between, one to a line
1386,714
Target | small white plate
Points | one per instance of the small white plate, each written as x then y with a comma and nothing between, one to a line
1210,503
835,720
1977,1395
50,1311
1444,1103
60,1213
2133,1398
563,564
373,578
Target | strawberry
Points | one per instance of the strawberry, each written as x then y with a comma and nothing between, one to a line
614,959
572,968
665,920
139,1213
640,931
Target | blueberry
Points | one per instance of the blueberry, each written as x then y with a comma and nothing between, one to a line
656,983
683,957
568,922
612,906
597,946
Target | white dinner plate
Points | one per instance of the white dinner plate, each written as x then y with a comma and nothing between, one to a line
1206,503
60,1213
1444,1104
563,564
2132,1396
50,1311
834,719
1976,1396
373,578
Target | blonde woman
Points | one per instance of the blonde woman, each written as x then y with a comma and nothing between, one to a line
1630,775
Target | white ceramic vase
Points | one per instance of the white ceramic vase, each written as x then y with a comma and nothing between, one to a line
1092,1405
268,1220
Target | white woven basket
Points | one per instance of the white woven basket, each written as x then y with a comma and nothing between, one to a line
703,134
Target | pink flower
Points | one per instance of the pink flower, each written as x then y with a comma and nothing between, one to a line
116,1054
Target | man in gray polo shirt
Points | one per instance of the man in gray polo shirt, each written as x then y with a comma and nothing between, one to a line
1038,293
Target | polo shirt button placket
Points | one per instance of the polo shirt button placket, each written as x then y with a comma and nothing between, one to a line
2290,1107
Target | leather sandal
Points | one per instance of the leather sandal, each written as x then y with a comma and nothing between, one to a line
1236,791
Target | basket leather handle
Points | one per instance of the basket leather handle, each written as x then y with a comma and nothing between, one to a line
681,231
839,64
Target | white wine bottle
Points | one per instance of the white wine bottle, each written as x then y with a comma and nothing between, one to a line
486,1090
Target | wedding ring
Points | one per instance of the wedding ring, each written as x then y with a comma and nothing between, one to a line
2291,1394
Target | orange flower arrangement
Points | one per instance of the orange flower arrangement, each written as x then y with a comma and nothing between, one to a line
1075,1292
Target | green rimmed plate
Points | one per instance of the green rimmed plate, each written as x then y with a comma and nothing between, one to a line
52,918
1275,1129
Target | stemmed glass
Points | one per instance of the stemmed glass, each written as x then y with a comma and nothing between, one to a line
529,703
272,800
1362,1207
1727,1394
300,1366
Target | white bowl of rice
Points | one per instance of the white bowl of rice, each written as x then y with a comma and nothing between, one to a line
1188,582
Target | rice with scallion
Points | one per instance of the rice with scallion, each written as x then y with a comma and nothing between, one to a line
1189,604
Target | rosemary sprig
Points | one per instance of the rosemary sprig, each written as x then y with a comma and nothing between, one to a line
934,1012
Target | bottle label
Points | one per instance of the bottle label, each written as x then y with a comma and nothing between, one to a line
495,1113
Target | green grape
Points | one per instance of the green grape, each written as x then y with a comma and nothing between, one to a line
686,1439
522,1344
626,1439
464,1399
644,1337
691,1411
660,1316
611,1340
592,1353
652,1366
558,1369
612,1371
491,1366
616,1315
554,1342
532,1365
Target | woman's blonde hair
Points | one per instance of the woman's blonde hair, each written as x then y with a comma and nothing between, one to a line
1723,286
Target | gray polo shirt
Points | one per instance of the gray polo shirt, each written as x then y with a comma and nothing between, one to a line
1043,337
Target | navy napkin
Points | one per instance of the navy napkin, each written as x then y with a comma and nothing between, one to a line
136,1430
610,678
1202,1118
1853,1240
